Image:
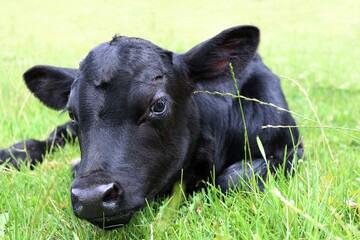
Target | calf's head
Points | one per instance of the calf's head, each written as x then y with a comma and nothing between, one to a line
137,122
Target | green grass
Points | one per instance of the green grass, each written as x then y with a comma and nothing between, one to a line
315,43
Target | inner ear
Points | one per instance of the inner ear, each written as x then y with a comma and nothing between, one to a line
211,59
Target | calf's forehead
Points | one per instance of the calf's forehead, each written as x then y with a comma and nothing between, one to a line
122,56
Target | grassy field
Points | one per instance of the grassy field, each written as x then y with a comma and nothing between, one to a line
314,47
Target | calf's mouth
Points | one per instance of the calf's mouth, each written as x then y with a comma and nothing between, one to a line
112,222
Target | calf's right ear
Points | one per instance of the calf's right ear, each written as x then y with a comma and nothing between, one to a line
51,85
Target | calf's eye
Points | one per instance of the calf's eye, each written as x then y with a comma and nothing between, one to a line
159,106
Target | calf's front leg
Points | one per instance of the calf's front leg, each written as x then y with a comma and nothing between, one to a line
232,176
33,151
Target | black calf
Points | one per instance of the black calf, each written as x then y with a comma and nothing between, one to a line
141,127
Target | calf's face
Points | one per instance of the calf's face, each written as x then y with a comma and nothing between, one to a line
133,137
137,122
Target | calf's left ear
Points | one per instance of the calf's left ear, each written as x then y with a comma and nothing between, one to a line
210,60
51,85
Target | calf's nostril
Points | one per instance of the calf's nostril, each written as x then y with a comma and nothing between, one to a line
111,194
77,206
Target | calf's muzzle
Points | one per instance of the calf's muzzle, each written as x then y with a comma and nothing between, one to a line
99,202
